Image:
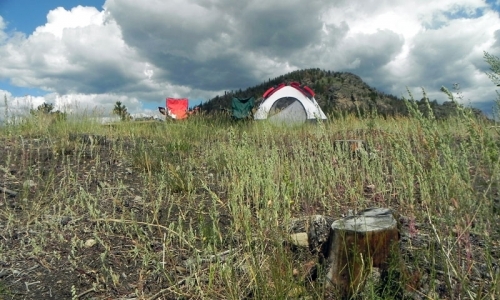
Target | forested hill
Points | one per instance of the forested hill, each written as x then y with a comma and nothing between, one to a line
337,93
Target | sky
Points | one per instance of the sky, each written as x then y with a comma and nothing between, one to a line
84,55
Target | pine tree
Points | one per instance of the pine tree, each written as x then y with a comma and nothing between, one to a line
6,109
494,75
121,111
494,63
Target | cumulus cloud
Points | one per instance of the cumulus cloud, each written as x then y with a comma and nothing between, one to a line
13,107
72,104
3,35
143,52
59,19
497,39
81,52
77,51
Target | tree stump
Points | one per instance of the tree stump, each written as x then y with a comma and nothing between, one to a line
356,244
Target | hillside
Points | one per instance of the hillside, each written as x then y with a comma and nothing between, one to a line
338,93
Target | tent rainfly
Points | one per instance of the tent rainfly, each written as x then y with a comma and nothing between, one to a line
291,103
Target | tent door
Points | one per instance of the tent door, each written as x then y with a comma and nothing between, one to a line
287,110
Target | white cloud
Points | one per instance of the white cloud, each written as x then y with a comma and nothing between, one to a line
16,106
443,43
76,104
76,51
80,55
59,19
147,51
3,35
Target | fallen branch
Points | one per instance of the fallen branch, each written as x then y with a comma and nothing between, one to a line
171,288
222,256
8,192
85,293
153,225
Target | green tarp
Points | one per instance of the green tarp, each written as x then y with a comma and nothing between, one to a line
242,107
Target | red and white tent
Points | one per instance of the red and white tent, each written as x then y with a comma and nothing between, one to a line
293,103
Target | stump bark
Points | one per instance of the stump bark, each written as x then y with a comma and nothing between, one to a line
356,244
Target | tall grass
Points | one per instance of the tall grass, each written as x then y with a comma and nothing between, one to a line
199,209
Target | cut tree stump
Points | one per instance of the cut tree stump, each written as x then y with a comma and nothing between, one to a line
356,244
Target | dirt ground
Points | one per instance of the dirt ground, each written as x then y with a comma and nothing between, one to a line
32,267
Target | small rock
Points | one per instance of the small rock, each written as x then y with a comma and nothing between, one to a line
65,220
129,171
299,239
4,273
29,184
370,188
103,184
90,243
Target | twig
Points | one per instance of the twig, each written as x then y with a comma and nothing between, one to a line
41,264
85,293
418,292
163,250
171,288
7,191
222,256
149,224
27,284
446,253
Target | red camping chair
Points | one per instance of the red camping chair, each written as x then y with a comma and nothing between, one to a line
177,108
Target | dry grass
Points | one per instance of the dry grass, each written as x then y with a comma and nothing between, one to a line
198,209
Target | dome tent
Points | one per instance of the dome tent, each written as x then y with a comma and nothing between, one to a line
291,103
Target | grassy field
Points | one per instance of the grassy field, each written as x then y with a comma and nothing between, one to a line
200,209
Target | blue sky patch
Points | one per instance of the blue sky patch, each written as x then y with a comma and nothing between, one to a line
17,91
464,14
494,4
26,15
